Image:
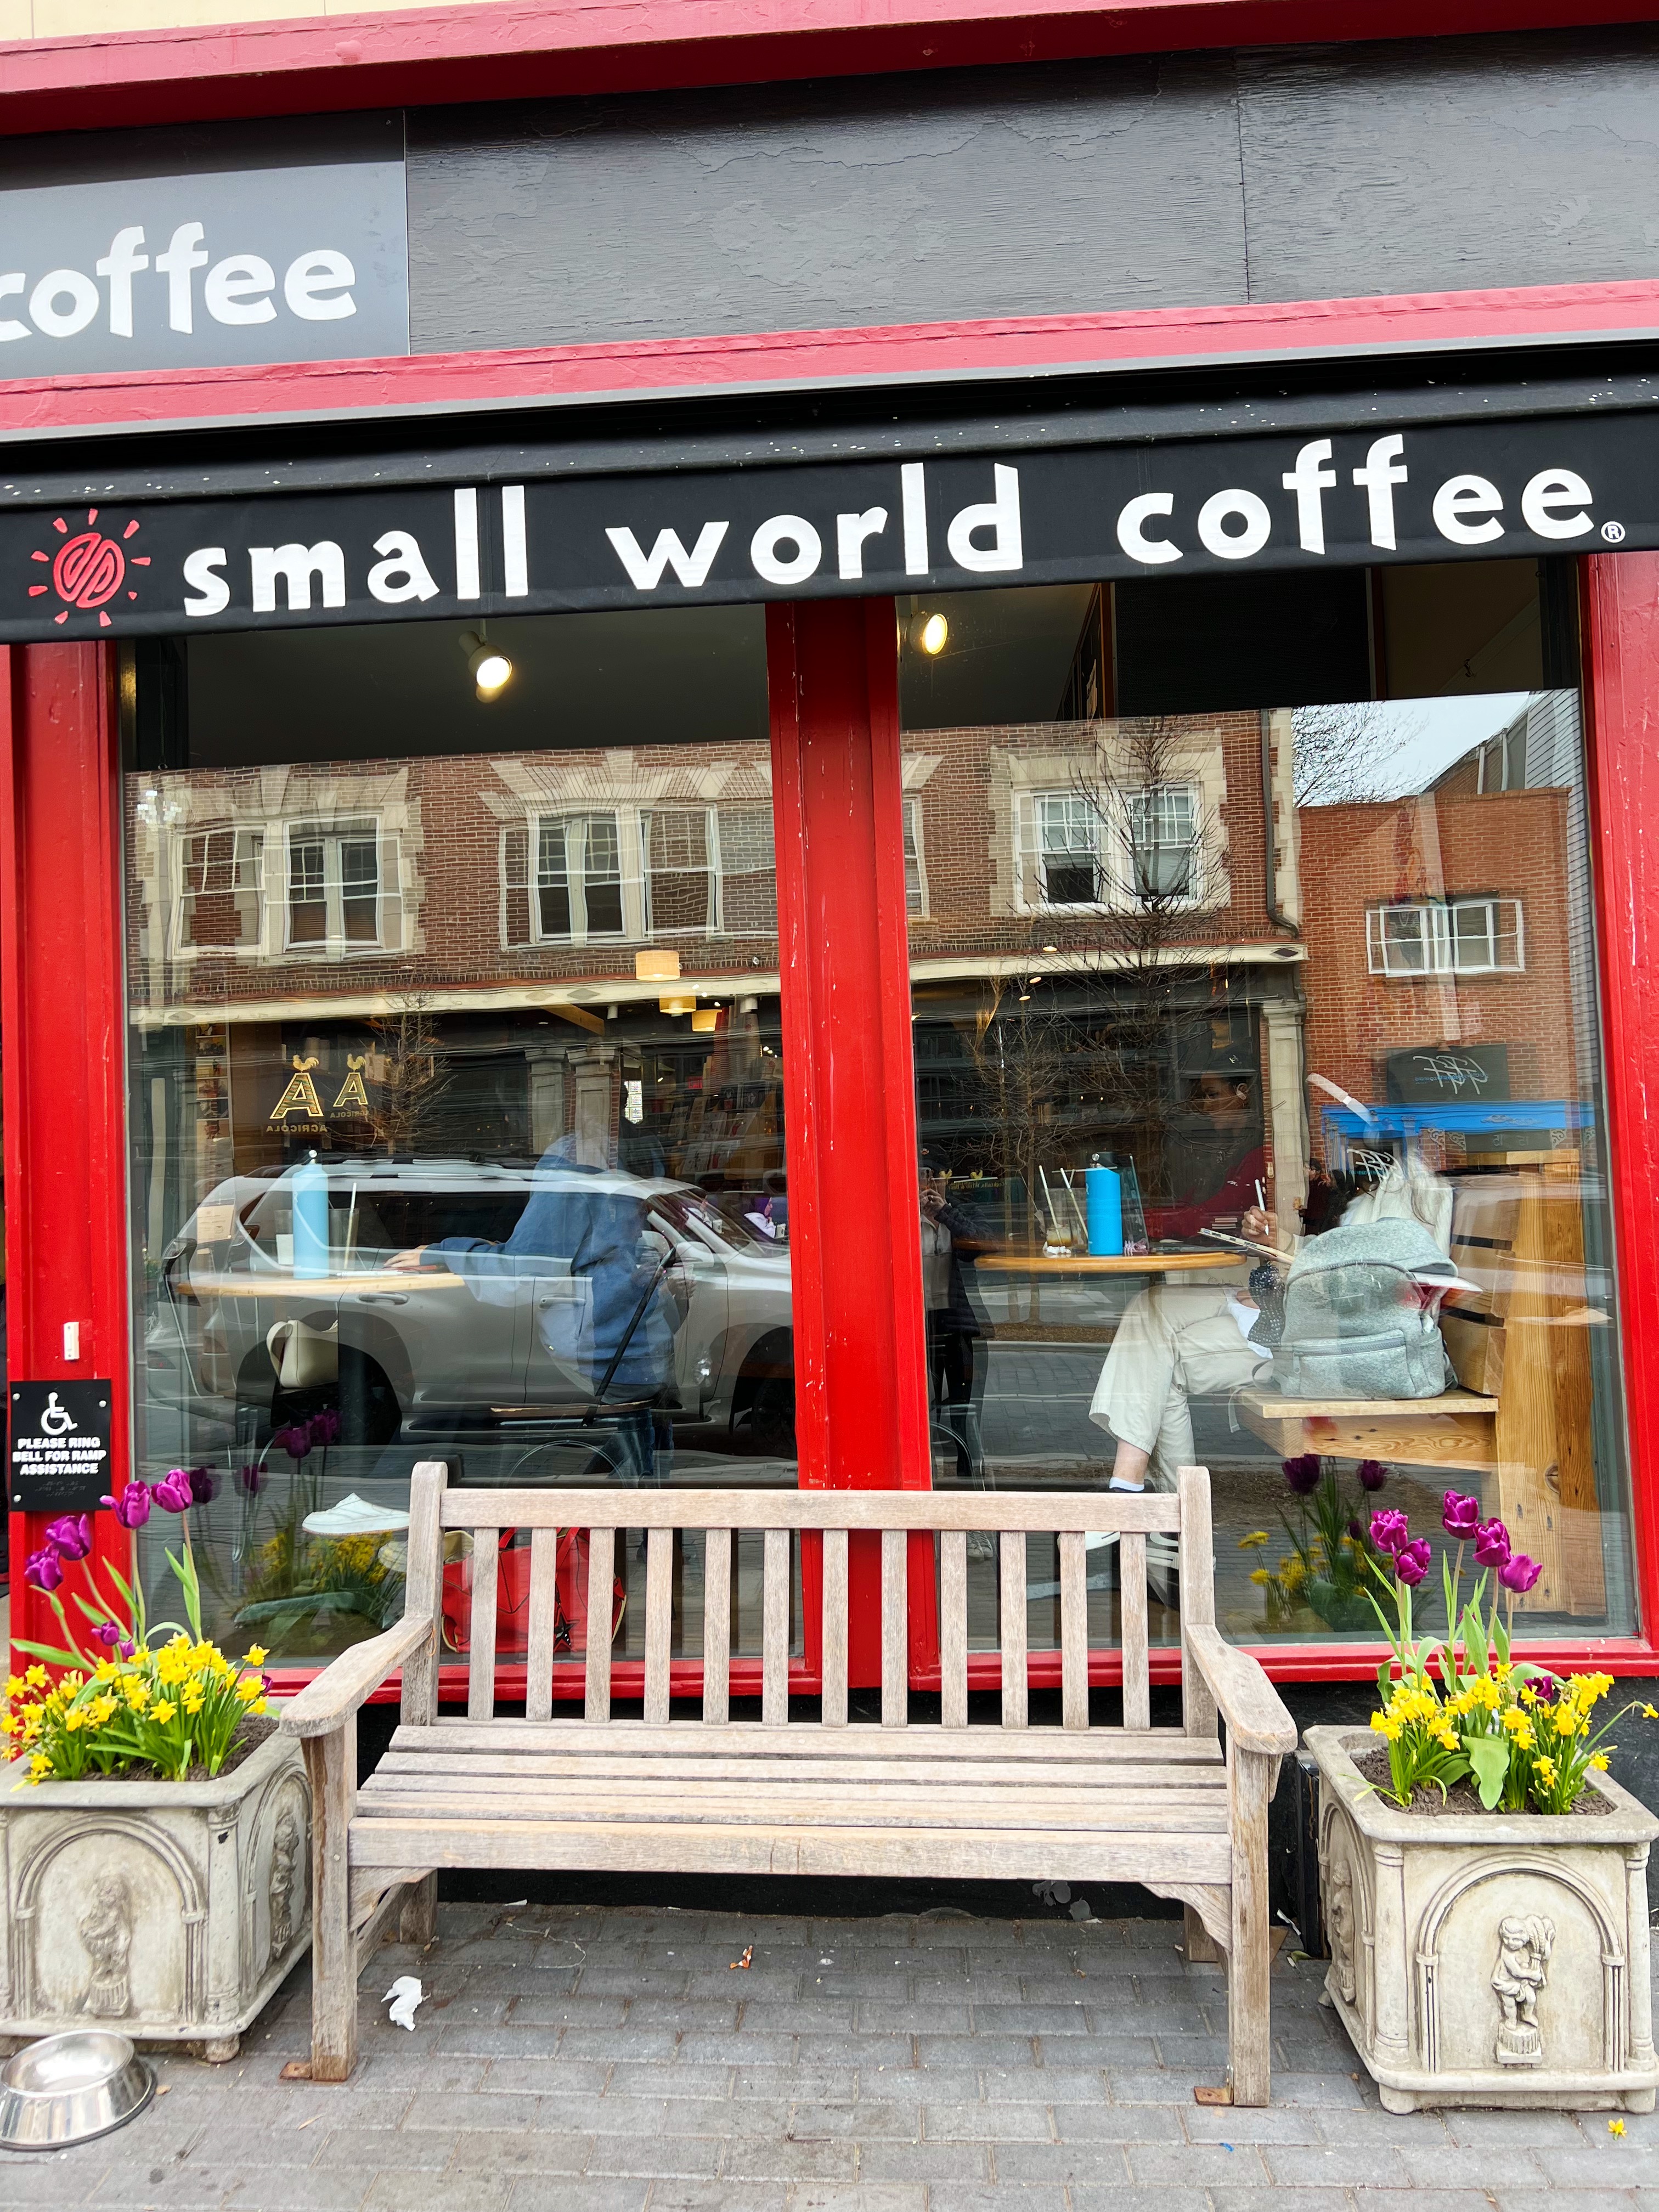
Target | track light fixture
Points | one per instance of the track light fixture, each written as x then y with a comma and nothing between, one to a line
486,664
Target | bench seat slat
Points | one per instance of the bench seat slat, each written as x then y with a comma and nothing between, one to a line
811,1805
652,1847
748,1741
482,1769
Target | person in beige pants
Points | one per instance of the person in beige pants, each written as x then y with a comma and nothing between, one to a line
1175,1340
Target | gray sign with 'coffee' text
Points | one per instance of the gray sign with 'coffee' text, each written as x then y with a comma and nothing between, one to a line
209,253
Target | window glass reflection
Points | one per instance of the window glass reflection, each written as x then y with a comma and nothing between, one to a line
1258,1083
457,1117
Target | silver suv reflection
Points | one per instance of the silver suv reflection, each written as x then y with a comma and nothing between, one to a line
540,1291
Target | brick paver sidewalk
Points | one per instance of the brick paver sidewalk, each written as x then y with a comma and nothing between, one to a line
579,2060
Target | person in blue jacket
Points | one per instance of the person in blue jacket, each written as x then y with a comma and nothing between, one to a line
601,1232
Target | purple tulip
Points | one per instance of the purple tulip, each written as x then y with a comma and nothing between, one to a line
296,1441
202,1484
252,1480
173,1492
1544,1689
132,1507
1413,1562
70,1535
1372,1474
1491,1544
325,1427
107,1634
1391,1530
1460,1516
44,1568
128,1647
1303,1473
1519,1573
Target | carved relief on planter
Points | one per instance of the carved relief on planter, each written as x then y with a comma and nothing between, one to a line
1487,1958
172,1909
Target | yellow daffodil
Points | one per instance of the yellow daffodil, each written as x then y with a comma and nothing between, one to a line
1599,1761
74,1722
1260,1575
162,1710
257,1654
1650,1712
40,1767
1616,2127
15,1685
36,1678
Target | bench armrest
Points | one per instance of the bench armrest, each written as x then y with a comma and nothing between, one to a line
1254,1713
325,1704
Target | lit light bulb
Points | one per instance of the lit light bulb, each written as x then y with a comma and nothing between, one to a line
932,634
487,664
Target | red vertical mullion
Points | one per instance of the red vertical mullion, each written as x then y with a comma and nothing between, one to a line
61,1030
860,1385
1619,599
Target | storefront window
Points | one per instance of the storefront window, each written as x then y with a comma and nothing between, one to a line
457,1105
1258,1080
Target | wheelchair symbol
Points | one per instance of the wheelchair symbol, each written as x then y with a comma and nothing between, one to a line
56,1420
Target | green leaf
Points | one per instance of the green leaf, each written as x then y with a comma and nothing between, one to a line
58,1657
1489,1758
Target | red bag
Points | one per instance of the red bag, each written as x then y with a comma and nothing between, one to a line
513,1598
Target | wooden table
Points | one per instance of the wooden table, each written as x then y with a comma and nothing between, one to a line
381,1282
1113,1263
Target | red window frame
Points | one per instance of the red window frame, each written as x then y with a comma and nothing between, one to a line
847,1073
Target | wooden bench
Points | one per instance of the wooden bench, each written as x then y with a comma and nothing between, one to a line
1520,1411
1162,1807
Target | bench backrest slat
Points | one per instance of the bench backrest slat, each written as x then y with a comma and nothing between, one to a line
601,1575
774,1628
1073,1629
953,1627
1013,1628
1197,1594
716,1625
895,1630
1132,1600
659,1623
908,1524
834,1628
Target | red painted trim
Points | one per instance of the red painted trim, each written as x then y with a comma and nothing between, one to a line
439,56
430,383
849,1107
1621,621
64,1021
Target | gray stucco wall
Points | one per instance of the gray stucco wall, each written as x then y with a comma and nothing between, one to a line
1159,181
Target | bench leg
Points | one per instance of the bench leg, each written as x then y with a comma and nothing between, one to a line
331,1765
417,1923
1201,1946
1249,1999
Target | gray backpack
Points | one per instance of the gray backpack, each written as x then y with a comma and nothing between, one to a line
1354,1321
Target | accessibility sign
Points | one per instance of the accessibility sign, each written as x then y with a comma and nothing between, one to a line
59,1446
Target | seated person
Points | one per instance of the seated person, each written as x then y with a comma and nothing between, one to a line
599,1230
1175,1340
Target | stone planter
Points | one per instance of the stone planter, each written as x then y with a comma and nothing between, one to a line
1488,1959
170,1910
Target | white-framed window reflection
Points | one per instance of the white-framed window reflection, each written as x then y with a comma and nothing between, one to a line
1446,936
337,893
219,905
1088,848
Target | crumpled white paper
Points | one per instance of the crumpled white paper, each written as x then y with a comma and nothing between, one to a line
403,1996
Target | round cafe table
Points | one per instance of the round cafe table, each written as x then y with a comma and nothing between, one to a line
1111,1263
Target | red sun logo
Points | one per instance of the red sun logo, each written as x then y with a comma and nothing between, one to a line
88,569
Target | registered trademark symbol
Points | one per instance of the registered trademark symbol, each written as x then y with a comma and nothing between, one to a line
1614,532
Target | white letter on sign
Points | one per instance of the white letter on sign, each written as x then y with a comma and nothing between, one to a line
1131,532
1000,516
646,570
202,573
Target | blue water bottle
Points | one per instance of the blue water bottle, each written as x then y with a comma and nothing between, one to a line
1104,1189
310,1187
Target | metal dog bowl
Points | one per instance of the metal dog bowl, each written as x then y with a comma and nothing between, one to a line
68,2088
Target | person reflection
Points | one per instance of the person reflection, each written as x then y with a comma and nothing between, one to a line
584,1213
950,1245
